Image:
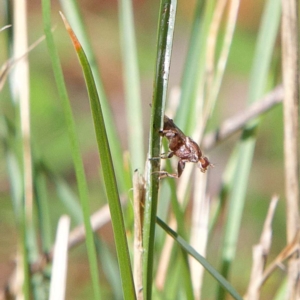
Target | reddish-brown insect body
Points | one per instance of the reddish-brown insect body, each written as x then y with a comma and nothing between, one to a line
183,147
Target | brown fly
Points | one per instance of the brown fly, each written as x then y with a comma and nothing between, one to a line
183,147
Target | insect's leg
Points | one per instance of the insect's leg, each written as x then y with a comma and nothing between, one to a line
167,155
164,174
180,167
167,133
163,156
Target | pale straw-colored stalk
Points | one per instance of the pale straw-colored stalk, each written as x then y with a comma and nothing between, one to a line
290,67
60,260
21,90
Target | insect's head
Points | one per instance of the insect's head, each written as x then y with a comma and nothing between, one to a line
204,163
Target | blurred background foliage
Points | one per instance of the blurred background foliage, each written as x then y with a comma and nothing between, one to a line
52,144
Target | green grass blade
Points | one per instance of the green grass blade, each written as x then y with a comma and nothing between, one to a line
43,211
110,268
72,12
79,169
194,66
132,86
16,191
164,49
107,172
190,250
261,65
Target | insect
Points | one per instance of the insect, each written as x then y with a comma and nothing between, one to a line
183,147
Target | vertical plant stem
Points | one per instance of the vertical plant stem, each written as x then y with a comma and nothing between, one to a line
290,66
138,206
260,69
20,85
132,86
192,70
164,48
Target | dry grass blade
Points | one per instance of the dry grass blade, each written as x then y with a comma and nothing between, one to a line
9,64
216,81
164,261
5,27
138,206
237,122
290,66
260,253
59,269
77,235
98,220
289,250
21,89
212,40
199,230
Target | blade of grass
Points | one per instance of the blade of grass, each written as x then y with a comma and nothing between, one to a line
72,12
43,211
138,206
192,80
60,260
20,90
214,89
107,171
164,50
290,67
78,164
132,86
110,268
199,229
190,250
258,80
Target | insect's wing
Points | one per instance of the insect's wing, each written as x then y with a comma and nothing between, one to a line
169,125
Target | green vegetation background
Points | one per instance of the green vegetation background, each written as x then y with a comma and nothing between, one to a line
49,128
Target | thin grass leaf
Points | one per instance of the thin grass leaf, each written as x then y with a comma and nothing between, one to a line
164,49
190,250
178,282
110,268
60,260
8,140
20,92
290,66
259,75
107,171
26,287
43,211
192,79
132,86
65,193
69,199
214,89
78,164
73,14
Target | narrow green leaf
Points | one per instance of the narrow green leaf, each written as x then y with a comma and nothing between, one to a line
164,49
43,211
73,14
185,246
194,69
107,171
78,164
259,75
132,86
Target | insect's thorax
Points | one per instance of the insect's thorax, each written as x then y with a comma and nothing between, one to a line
186,150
